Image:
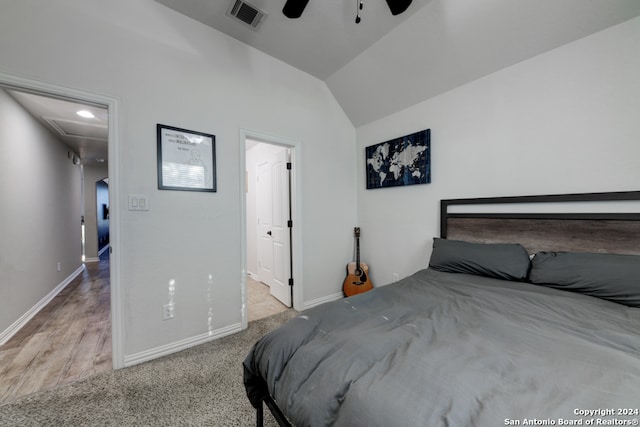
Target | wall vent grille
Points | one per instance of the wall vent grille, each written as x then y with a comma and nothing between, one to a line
246,13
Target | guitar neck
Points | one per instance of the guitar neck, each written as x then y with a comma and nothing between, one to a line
356,234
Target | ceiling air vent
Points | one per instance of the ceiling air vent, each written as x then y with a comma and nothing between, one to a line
246,13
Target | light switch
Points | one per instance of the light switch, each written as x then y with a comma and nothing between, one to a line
138,202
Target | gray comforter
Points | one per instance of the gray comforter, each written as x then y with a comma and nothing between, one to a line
442,349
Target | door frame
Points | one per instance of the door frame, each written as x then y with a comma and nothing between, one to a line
296,209
112,104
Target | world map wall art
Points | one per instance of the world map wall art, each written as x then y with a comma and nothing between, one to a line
400,161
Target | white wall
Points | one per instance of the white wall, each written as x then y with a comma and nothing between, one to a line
39,214
166,68
565,121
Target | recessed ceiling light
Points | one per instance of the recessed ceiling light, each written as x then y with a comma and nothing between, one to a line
86,114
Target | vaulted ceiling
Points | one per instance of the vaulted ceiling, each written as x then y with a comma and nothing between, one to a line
382,65
387,63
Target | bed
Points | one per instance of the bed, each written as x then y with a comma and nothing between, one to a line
523,317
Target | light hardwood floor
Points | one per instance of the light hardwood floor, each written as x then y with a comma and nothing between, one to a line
67,340
70,338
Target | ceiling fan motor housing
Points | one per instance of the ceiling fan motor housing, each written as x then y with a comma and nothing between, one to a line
294,8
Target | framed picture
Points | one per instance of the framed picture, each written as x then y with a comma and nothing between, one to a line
186,159
400,161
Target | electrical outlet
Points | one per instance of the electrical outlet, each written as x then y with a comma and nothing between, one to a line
169,311
59,266
395,277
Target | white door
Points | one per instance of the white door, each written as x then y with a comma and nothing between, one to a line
272,207
264,212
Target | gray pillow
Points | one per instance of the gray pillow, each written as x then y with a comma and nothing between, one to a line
508,261
606,276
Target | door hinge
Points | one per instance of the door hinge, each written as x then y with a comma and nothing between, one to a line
291,282
289,165
290,224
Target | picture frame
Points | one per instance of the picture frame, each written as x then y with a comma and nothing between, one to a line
401,161
186,159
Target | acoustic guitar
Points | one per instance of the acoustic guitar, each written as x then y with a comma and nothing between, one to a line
357,280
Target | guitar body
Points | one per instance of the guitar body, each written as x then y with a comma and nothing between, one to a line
356,281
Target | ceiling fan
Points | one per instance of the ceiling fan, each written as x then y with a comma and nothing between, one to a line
294,8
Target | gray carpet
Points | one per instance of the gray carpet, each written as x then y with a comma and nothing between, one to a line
201,386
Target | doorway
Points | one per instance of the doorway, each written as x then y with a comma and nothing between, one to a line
102,215
271,218
270,231
111,106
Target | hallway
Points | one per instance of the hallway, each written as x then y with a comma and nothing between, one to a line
68,340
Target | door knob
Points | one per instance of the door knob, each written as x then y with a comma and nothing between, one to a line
269,232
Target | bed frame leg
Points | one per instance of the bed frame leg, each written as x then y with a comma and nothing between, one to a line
260,415
276,412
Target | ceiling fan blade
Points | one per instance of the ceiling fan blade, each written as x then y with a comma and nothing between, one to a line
294,8
398,6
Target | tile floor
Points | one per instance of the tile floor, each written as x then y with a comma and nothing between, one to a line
260,303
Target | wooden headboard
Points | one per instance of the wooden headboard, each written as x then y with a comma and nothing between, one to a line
518,220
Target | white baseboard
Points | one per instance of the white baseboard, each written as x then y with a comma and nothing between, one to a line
97,258
332,297
167,349
164,350
18,324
